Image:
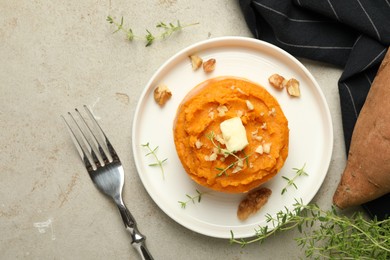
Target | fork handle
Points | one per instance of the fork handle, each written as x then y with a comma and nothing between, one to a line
138,240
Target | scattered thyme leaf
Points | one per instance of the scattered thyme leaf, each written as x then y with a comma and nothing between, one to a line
171,28
149,38
168,30
291,182
158,162
119,27
193,199
130,35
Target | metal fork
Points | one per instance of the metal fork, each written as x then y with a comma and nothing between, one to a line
105,170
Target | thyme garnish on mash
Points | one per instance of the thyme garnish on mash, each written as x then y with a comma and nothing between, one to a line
238,163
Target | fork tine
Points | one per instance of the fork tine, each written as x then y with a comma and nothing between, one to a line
110,148
90,145
97,146
79,147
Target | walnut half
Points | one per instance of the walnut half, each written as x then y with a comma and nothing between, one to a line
196,62
162,94
209,65
292,87
253,202
276,81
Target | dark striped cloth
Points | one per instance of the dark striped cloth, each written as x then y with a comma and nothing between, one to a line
352,34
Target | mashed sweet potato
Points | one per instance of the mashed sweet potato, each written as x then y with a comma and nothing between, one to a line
201,147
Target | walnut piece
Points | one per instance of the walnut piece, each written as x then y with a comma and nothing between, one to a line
209,66
253,202
162,94
196,62
292,87
267,148
276,81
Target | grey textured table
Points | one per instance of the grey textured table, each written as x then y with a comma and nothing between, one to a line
58,55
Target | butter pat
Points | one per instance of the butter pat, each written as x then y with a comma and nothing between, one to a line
234,134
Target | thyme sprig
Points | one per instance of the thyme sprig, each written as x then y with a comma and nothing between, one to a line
168,30
291,182
158,162
239,160
119,27
328,235
193,199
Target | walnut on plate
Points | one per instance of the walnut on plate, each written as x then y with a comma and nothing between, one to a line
196,62
276,81
253,202
209,65
162,94
291,85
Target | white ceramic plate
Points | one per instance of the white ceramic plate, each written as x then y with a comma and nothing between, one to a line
311,135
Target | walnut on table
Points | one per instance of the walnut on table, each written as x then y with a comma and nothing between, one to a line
253,202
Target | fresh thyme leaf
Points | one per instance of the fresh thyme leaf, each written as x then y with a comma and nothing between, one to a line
149,37
291,182
158,162
183,204
199,196
193,199
246,158
109,19
130,35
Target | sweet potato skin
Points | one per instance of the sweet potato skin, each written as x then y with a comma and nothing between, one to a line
367,173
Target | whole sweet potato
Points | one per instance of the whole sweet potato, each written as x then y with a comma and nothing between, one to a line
367,173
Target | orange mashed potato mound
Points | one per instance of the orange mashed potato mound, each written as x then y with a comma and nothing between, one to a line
201,147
